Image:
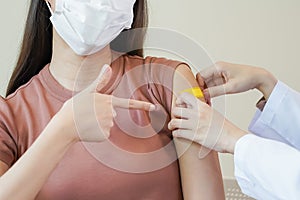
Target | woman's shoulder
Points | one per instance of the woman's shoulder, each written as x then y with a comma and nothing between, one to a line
4,106
28,90
154,69
25,96
152,61
11,107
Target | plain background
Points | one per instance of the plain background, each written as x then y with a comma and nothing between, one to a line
262,33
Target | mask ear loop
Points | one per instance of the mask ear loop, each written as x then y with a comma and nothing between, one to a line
48,4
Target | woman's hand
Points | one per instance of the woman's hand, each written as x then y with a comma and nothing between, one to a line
89,115
227,78
202,124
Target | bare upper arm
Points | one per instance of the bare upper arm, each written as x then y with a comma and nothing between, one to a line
3,168
183,79
201,178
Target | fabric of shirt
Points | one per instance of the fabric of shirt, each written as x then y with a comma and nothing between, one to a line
139,159
267,165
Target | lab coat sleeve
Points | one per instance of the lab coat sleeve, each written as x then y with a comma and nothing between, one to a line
267,169
280,118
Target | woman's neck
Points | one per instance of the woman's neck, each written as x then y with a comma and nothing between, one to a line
76,72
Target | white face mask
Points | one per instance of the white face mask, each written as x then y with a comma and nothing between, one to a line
87,26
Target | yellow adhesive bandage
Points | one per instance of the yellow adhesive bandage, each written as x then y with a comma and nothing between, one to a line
196,91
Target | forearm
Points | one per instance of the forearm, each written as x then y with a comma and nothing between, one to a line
230,135
28,175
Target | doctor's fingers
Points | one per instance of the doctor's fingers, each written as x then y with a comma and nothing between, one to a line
203,86
234,85
187,99
132,104
201,81
220,90
191,101
184,113
215,71
180,124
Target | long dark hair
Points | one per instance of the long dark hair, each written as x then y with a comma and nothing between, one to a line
36,48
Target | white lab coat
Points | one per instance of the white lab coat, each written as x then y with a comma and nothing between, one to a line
268,167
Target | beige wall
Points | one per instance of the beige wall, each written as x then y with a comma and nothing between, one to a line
264,33
12,17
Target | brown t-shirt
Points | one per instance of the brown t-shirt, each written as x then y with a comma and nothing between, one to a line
139,160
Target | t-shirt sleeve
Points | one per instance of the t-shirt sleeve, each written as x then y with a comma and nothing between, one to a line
8,147
162,74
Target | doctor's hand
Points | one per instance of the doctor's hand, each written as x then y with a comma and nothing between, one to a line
89,115
202,124
227,78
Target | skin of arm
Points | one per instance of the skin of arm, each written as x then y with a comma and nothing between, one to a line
201,178
38,162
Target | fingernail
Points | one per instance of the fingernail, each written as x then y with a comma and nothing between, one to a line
170,126
152,107
105,68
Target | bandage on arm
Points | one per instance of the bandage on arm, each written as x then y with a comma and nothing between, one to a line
195,91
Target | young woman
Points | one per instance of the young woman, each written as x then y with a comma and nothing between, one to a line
65,131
